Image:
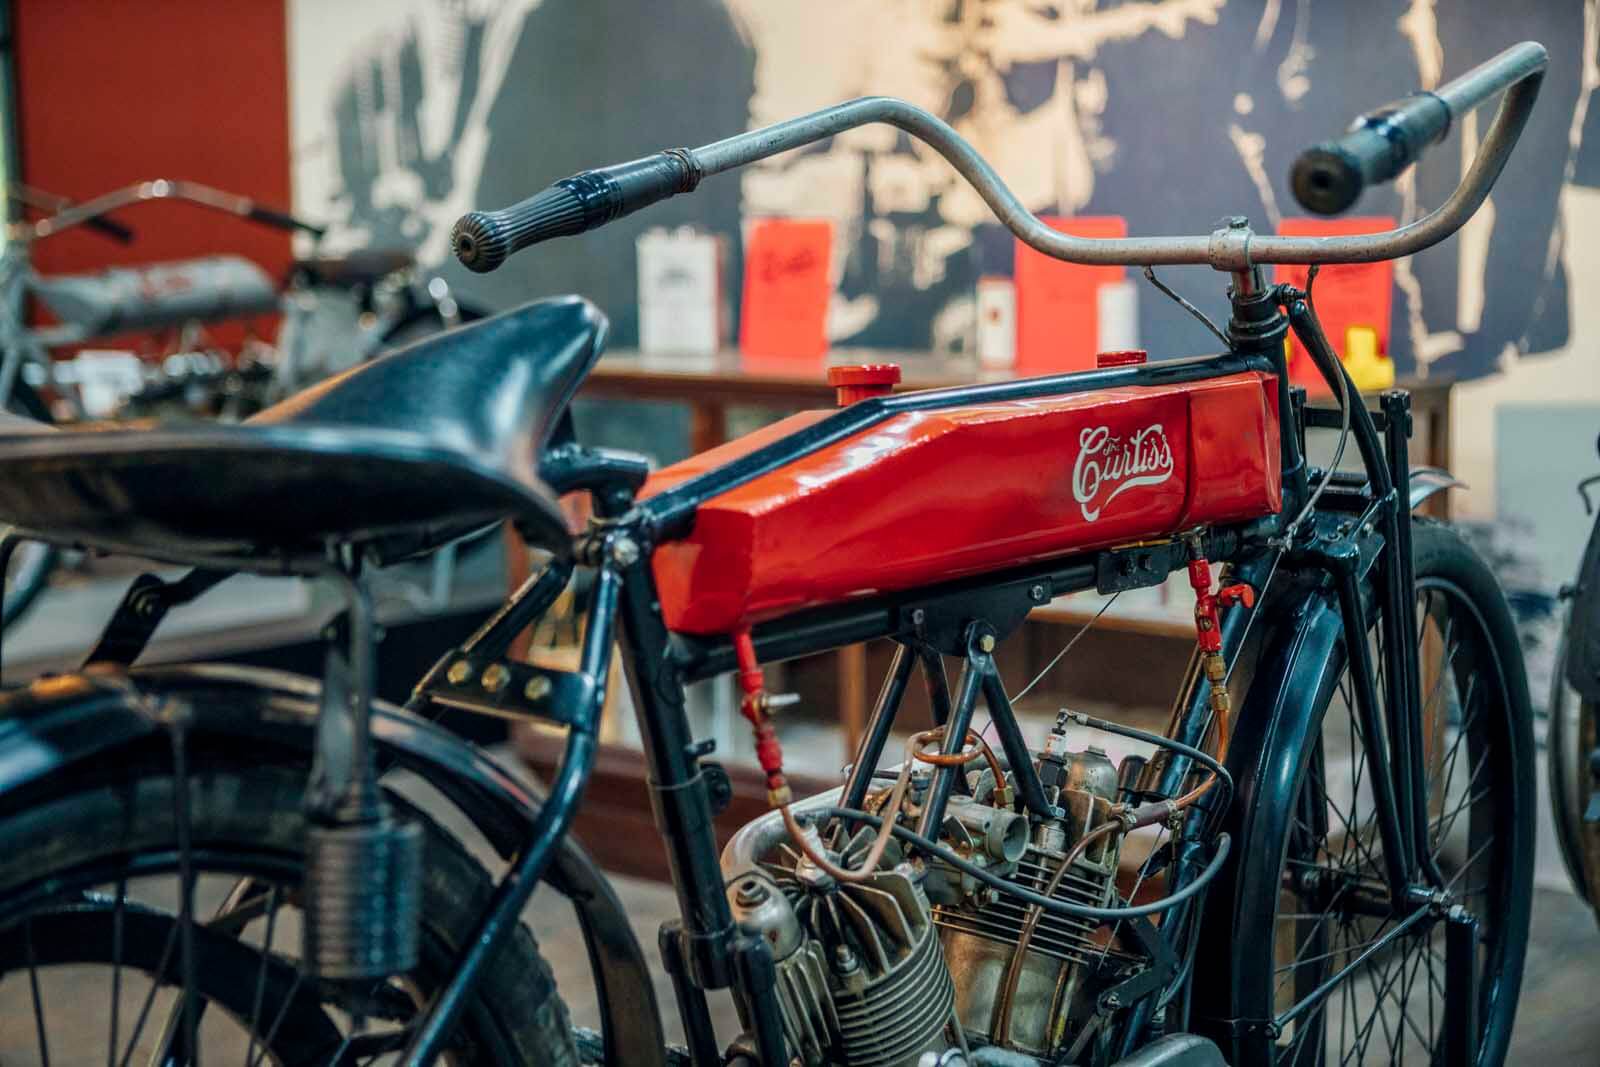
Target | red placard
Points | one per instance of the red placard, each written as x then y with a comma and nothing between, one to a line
1346,294
1058,320
786,290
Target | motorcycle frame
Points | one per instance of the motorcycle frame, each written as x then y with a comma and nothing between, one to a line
1354,549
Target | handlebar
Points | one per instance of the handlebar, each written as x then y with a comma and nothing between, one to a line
482,240
88,212
1328,178
38,199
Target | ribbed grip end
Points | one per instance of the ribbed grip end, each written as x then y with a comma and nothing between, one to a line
482,240
1326,180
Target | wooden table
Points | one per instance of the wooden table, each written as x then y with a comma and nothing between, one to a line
711,385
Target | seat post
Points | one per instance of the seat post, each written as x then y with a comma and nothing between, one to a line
363,862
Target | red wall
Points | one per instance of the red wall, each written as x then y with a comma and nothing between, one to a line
111,93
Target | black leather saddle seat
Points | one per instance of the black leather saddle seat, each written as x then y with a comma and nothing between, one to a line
354,269
398,454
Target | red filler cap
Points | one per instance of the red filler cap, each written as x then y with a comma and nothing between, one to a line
1127,357
864,380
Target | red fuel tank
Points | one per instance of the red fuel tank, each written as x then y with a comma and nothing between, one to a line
931,495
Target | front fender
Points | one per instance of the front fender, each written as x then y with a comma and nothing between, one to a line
76,720
1299,666
1430,481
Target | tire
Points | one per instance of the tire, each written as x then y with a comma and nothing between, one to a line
1571,738
1308,873
79,840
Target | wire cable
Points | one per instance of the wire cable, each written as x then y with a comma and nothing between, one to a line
1344,421
1005,885
1150,276
1048,667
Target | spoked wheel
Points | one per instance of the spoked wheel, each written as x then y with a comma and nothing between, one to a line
1332,901
142,923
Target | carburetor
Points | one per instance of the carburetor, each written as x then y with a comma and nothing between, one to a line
1026,996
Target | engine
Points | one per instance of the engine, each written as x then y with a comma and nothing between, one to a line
920,956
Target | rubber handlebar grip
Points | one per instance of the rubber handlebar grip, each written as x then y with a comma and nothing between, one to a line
1330,177
483,240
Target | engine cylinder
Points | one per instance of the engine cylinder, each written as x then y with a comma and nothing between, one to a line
861,976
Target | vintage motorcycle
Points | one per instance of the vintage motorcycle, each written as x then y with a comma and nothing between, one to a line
1341,866
1574,742
337,310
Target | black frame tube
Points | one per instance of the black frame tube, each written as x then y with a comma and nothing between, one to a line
884,711
936,683
554,819
1029,789
943,782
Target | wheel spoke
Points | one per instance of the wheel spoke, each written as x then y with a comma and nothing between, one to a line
1441,827
37,997
150,996
116,968
1353,950
187,1004
261,975
1468,701
283,1013
1477,853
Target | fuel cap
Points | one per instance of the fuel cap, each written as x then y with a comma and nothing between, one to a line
863,380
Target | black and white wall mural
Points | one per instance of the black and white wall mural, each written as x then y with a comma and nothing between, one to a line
1169,113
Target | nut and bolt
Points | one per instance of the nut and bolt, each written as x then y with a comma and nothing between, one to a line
918,617
751,893
986,642
459,672
538,687
844,960
624,552
495,677
1039,594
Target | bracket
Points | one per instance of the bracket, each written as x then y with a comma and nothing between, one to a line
942,622
509,689
1139,566
141,611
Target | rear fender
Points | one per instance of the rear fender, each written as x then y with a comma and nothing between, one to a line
68,721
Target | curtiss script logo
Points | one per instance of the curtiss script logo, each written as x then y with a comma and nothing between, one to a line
1108,466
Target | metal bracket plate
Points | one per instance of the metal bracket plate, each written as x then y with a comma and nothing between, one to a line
1140,566
511,690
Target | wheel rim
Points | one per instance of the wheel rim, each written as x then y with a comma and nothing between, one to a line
1390,1009
98,966
105,945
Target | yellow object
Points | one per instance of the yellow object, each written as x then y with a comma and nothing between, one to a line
1370,371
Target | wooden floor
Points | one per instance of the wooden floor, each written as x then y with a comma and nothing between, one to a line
1558,1020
